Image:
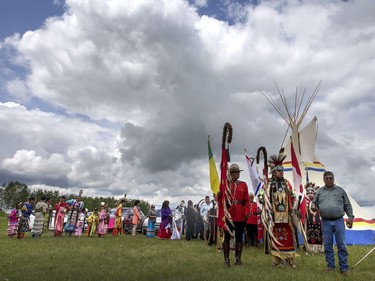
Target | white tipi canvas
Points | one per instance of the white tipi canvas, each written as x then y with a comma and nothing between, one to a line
363,231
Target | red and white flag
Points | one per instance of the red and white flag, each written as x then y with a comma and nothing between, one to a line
297,184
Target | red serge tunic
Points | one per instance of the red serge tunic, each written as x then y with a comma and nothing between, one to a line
240,203
253,216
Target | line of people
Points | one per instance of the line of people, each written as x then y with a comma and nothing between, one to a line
67,216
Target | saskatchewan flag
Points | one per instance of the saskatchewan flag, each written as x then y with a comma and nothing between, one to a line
214,178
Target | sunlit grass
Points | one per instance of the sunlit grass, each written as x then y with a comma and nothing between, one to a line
141,258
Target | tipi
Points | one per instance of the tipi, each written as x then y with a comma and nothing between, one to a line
363,231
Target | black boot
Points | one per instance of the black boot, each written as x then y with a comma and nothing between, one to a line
238,253
226,254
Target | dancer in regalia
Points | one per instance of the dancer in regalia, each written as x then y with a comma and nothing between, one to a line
313,223
40,210
13,217
118,214
60,210
102,230
152,215
92,222
279,199
23,222
81,223
165,229
75,206
137,219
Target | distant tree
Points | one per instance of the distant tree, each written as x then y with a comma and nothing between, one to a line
14,192
2,205
53,195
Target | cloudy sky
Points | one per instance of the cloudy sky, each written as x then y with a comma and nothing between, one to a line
119,96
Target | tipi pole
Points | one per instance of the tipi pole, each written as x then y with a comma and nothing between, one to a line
364,257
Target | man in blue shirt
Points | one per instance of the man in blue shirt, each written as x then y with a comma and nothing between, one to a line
333,202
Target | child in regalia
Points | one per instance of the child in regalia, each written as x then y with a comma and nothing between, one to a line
92,222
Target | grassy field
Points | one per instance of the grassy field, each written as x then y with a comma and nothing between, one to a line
141,258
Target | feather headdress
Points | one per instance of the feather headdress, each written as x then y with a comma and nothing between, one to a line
276,161
119,201
311,187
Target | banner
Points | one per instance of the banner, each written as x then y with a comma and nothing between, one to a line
255,180
214,178
297,184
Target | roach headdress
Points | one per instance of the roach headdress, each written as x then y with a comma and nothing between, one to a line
311,187
276,161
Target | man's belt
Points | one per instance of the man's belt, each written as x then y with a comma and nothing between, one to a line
332,219
240,202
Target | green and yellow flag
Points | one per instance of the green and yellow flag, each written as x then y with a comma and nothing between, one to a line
214,178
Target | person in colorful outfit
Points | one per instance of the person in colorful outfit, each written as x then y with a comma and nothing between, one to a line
333,202
73,209
13,217
81,223
313,223
41,208
137,219
118,221
279,199
165,231
152,215
60,210
23,223
252,222
102,230
239,212
92,222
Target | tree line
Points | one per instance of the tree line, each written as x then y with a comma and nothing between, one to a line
14,191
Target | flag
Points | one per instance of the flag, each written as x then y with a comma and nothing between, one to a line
224,220
221,221
297,184
214,178
255,180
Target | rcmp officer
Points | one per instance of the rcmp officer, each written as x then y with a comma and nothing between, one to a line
239,212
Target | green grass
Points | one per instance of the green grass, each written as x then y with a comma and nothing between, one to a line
140,258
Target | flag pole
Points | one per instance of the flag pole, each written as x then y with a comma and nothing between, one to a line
364,257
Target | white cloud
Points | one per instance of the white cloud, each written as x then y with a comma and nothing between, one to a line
133,89
28,163
18,89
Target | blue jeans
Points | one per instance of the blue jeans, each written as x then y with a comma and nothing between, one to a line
335,228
